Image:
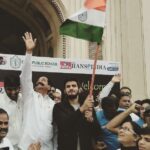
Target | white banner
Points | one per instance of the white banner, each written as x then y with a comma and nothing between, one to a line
59,65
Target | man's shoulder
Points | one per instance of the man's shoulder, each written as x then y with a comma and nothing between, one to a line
61,105
5,142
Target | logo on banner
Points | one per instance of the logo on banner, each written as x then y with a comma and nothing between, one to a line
37,63
15,62
2,60
113,67
88,66
65,65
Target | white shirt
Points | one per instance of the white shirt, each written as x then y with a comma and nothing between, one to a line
105,91
14,110
37,123
6,143
133,116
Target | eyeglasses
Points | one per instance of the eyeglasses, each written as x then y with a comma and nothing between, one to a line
127,130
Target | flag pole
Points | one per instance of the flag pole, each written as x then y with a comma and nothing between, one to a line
94,70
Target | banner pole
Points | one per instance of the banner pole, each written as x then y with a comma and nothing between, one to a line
94,70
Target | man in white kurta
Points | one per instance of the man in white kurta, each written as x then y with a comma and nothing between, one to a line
6,143
4,125
38,106
11,101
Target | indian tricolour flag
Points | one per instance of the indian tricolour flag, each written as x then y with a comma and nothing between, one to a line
88,23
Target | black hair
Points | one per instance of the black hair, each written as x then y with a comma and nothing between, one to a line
109,105
125,87
109,101
145,131
147,111
135,126
2,111
71,79
138,102
49,81
144,101
120,95
12,81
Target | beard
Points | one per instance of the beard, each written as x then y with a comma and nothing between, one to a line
72,97
4,130
13,97
3,133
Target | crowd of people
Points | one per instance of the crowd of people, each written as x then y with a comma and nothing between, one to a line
37,117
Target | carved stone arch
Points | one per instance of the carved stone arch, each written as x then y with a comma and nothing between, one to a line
61,12
42,18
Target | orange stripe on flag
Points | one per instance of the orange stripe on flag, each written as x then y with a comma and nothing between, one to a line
97,4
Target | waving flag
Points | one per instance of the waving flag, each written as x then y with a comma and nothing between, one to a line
96,4
88,23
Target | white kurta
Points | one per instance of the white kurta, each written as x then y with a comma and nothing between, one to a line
6,143
14,110
37,116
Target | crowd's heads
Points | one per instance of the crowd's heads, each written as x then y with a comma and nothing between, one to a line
126,90
147,116
144,104
43,85
144,142
128,134
109,105
51,92
147,111
57,96
71,79
124,100
12,86
71,88
3,123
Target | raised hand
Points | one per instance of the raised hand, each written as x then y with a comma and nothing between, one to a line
29,42
35,146
116,78
134,108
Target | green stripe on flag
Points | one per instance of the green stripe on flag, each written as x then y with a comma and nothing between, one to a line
82,31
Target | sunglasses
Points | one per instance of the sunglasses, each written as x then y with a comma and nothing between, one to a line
127,130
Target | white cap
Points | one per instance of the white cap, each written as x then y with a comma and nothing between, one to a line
58,91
